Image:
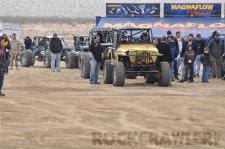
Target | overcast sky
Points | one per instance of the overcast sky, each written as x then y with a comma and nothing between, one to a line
68,8
51,8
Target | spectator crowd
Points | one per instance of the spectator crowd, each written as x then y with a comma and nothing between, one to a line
186,55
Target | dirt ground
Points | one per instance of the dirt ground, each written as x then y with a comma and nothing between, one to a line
45,110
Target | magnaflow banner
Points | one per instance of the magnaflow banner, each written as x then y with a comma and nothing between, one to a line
132,10
189,9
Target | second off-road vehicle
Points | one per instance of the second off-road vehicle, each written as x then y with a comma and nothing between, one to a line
106,37
42,51
72,57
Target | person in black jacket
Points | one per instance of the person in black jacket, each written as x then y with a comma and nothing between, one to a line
199,50
55,48
216,51
205,59
178,64
28,42
96,50
165,50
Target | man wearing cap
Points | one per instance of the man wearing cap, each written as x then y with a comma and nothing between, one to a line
178,61
55,48
174,52
216,51
188,43
199,50
96,50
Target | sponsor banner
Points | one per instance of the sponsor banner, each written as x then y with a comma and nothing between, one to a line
10,28
192,10
132,10
161,26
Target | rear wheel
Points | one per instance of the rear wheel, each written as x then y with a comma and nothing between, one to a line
85,67
118,74
70,60
164,70
47,60
26,58
108,72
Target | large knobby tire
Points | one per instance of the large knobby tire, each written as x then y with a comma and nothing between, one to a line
47,60
164,70
70,60
26,58
118,74
108,72
86,67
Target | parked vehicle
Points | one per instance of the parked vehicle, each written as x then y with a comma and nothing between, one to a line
106,36
134,55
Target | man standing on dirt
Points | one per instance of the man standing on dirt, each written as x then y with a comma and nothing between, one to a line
178,60
15,50
174,52
199,51
216,50
55,48
96,50
188,43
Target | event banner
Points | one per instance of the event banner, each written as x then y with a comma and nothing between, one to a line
160,26
192,10
132,10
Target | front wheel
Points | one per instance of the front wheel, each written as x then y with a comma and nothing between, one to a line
26,58
108,72
119,74
164,71
47,60
70,61
85,67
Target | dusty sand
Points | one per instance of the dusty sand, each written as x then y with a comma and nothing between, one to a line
44,110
